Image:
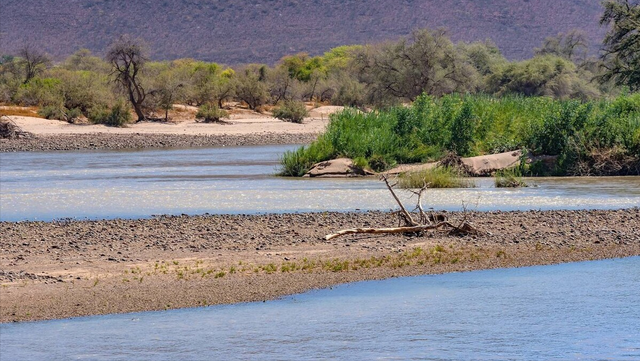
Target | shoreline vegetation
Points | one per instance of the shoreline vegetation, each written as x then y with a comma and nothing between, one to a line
69,268
585,138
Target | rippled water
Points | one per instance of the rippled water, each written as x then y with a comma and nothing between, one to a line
579,311
108,184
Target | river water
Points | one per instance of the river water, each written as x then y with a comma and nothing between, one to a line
577,311
135,184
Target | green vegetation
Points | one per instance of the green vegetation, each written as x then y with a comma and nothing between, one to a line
372,75
210,113
116,116
622,43
577,132
291,111
60,113
437,177
509,178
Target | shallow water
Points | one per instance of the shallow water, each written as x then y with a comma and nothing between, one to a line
133,184
578,311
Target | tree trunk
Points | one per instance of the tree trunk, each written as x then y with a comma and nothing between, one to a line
139,113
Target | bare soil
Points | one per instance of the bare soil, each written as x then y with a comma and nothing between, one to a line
64,269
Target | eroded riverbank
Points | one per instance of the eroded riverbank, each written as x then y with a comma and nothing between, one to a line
74,268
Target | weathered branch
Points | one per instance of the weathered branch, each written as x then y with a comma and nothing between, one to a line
465,228
411,226
404,212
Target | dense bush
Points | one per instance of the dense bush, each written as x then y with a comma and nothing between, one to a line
117,116
60,113
39,91
572,130
210,113
291,111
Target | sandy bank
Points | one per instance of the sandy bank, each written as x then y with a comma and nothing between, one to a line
74,268
244,128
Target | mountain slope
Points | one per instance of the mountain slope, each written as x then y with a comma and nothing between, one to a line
236,31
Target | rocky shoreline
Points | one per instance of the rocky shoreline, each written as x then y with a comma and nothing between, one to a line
73,268
145,140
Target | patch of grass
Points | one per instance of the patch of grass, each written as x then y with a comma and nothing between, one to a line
437,177
509,178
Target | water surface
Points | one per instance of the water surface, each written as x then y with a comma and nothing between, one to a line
134,184
578,311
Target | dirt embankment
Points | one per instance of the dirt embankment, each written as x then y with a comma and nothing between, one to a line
74,268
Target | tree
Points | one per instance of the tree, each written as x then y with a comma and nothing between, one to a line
250,86
169,88
427,62
572,46
127,57
83,60
542,75
210,83
622,43
33,62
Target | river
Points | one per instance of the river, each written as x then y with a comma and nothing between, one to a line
143,183
576,311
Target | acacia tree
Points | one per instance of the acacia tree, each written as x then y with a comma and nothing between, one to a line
32,61
251,87
127,57
622,42
427,62
572,46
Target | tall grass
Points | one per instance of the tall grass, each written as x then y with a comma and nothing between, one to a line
475,125
509,178
437,177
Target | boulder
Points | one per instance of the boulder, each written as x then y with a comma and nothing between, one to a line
487,164
336,168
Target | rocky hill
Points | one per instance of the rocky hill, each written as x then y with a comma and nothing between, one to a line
235,31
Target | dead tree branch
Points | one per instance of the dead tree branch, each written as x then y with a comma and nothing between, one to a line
427,222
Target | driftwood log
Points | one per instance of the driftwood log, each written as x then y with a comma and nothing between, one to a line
425,222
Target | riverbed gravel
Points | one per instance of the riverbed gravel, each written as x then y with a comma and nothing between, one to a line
71,268
146,140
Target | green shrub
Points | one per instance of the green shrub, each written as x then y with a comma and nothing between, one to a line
210,113
39,92
509,178
59,112
437,177
118,116
53,112
291,111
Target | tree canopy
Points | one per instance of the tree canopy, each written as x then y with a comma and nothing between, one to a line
622,42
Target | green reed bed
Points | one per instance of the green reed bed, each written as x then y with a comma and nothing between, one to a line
581,134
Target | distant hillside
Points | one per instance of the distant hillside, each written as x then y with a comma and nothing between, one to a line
237,31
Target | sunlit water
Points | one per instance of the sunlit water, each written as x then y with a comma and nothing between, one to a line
133,184
579,311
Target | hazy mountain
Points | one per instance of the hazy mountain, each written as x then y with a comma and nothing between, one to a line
264,30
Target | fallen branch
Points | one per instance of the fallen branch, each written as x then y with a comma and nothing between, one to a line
428,222
464,228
